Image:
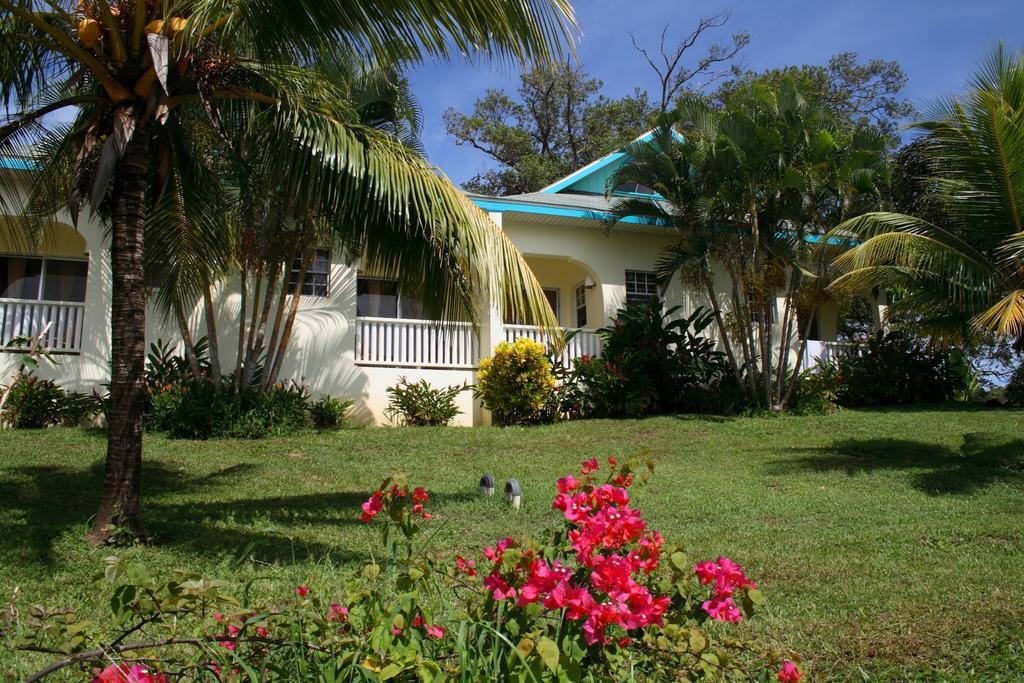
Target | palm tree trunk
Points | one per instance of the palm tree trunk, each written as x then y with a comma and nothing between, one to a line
282,300
211,337
256,344
120,504
186,339
799,357
788,313
286,335
242,308
723,330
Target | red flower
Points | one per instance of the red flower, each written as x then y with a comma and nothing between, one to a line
435,631
372,507
126,672
590,466
789,673
465,566
420,495
302,591
337,612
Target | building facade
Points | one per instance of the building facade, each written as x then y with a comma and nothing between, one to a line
354,335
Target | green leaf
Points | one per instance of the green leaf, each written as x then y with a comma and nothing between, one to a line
389,671
679,561
548,651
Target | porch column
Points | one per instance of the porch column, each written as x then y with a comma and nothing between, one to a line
879,302
492,330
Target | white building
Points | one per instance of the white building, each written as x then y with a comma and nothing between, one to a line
353,336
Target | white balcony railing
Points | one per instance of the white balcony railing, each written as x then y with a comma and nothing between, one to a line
584,342
825,351
26,318
399,342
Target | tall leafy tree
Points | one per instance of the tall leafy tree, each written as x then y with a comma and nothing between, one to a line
856,92
143,75
558,122
750,188
960,258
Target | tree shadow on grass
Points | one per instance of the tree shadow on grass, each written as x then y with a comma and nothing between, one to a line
982,460
41,503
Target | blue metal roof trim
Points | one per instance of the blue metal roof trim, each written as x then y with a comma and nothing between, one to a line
592,167
16,164
520,207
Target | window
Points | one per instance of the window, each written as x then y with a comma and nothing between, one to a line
634,188
379,298
641,287
552,296
581,305
318,275
43,279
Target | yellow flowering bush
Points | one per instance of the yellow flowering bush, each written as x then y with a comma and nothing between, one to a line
516,382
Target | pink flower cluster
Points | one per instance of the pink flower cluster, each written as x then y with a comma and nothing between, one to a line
789,673
375,503
126,672
612,545
433,630
726,576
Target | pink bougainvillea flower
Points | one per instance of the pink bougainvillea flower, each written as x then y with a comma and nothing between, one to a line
590,466
396,630
567,484
372,507
420,495
789,673
435,631
302,591
126,672
337,612
467,567
722,609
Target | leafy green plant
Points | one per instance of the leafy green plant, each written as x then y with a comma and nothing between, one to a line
818,389
199,409
35,403
1014,392
651,363
516,383
894,368
329,413
422,405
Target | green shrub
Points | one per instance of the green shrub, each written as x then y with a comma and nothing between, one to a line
894,369
36,403
650,365
516,383
818,389
328,412
200,409
421,405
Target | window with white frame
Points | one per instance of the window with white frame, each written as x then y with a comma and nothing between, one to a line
641,287
581,304
43,279
550,294
379,298
318,275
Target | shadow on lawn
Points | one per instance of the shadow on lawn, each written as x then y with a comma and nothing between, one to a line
51,500
983,459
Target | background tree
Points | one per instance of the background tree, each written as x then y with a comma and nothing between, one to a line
960,264
143,75
558,123
746,187
856,92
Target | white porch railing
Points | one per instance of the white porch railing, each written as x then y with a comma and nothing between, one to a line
26,318
825,351
415,343
584,342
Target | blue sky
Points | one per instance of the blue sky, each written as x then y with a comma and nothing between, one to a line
938,42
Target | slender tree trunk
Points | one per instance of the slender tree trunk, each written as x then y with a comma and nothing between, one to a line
211,335
242,308
799,357
186,339
723,330
282,300
788,313
286,335
251,358
120,504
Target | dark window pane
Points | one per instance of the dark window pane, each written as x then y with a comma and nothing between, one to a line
318,275
19,277
65,280
377,298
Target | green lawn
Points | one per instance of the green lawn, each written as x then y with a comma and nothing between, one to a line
889,544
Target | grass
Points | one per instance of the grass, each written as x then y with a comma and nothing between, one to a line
888,543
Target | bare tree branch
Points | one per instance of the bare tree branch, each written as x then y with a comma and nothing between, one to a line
666,64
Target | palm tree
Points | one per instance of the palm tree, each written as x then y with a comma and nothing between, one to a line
962,271
143,75
747,187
